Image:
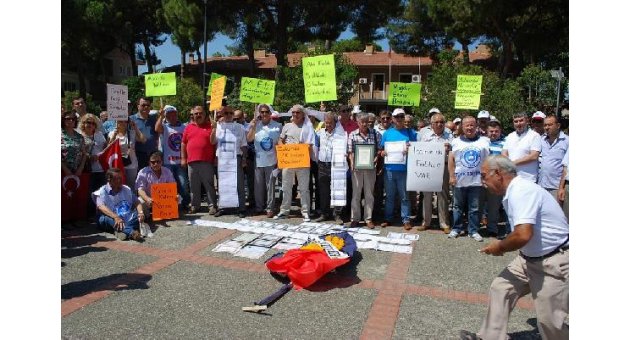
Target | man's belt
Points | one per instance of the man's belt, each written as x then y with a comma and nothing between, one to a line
562,248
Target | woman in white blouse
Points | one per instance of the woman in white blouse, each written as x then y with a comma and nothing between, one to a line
127,139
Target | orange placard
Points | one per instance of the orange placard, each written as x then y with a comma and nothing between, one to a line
292,156
216,96
164,197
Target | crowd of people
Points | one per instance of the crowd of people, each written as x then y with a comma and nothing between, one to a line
188,157
521,178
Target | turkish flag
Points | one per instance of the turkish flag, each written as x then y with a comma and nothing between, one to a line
111,157
304,267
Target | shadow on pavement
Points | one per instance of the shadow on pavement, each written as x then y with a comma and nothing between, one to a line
113,282
342,277
527,335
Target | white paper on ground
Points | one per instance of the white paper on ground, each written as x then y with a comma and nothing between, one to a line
251,252
247,237
230,246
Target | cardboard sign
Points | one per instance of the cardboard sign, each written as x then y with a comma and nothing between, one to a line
160,84
425,166
320,82
257,91
117,97
292,156
216,97
213,76
468,94
404,94
164,197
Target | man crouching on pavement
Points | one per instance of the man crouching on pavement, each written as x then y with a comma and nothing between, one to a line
114,201
541,233
155,173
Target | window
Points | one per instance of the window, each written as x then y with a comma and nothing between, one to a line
404,77
378,81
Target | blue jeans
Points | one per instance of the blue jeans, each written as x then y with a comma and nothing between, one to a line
106,223
466,196
396,182
181,177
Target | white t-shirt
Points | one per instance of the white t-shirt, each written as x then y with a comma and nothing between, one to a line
265,142
127,147
468,155
519,146
231,136
171,141
527,202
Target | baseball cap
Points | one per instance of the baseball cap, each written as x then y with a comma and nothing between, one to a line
169,108
493,118
356,109
434,110
539,115
398,112
483,114
457,120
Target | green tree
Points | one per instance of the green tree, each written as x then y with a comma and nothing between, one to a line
539,86
188,94
368,17
185,20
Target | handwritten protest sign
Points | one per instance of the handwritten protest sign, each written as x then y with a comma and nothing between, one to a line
160,84
117,97
213,76
467,96
164,197
404,94
216,97
319,78
257,91
292,156
425,166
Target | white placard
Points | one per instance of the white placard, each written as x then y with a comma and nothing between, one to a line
425,169
394,152
117,98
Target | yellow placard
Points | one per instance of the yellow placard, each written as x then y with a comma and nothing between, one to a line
164,196
216,97
467,101
291,156
160,84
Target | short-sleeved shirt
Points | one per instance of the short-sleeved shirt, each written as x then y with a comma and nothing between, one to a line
349,126
71,148
565,163
122,203
171,139
395,135
519,146
95,145
527,202
469,154
496,146
324,145
299,135
147,127
265,142
551,157
197,140
231,133
372,137
108,126
146,177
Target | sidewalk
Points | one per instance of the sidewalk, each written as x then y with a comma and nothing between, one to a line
172,286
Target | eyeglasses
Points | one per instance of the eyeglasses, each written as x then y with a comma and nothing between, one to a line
155,162
90,123
145,104
386,118
438,122
265,112
296,112
70,118
197,113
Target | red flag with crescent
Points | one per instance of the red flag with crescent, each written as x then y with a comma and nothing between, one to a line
111,157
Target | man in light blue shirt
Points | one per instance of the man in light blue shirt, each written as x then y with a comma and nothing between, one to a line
555,144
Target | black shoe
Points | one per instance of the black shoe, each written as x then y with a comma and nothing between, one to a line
219,213
242,214
466,335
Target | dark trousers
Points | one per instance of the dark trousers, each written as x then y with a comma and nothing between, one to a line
324,177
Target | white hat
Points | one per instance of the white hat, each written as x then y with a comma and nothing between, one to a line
169,108
153,112
398,112
483,114
434,110
539,115
457,120
493,118
356,109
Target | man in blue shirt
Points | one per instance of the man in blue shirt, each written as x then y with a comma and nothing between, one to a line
396,167
555,144
146,123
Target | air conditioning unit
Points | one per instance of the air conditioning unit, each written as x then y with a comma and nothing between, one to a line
415,78
362,80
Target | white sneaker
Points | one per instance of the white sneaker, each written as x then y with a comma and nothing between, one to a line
306,218
477,237
453,234
280,215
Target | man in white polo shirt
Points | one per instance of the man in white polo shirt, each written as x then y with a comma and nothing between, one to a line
541,233
523,147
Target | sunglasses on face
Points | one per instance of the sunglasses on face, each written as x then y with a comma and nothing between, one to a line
155,162
264,112
90,123
70,118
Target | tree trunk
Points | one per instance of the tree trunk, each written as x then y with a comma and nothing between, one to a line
249,42
508,58
131,51
182,65
327,45
81,75
200,67
466,53
147,54
281,34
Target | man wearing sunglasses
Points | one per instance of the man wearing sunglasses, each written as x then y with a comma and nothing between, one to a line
153,174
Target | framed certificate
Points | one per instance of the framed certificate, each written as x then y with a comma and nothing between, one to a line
364,156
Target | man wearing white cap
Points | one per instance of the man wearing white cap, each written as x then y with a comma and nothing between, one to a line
538,122
522,147
457,131
483,117
171,131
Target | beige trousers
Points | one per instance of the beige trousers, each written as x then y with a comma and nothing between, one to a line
547,280
442,204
